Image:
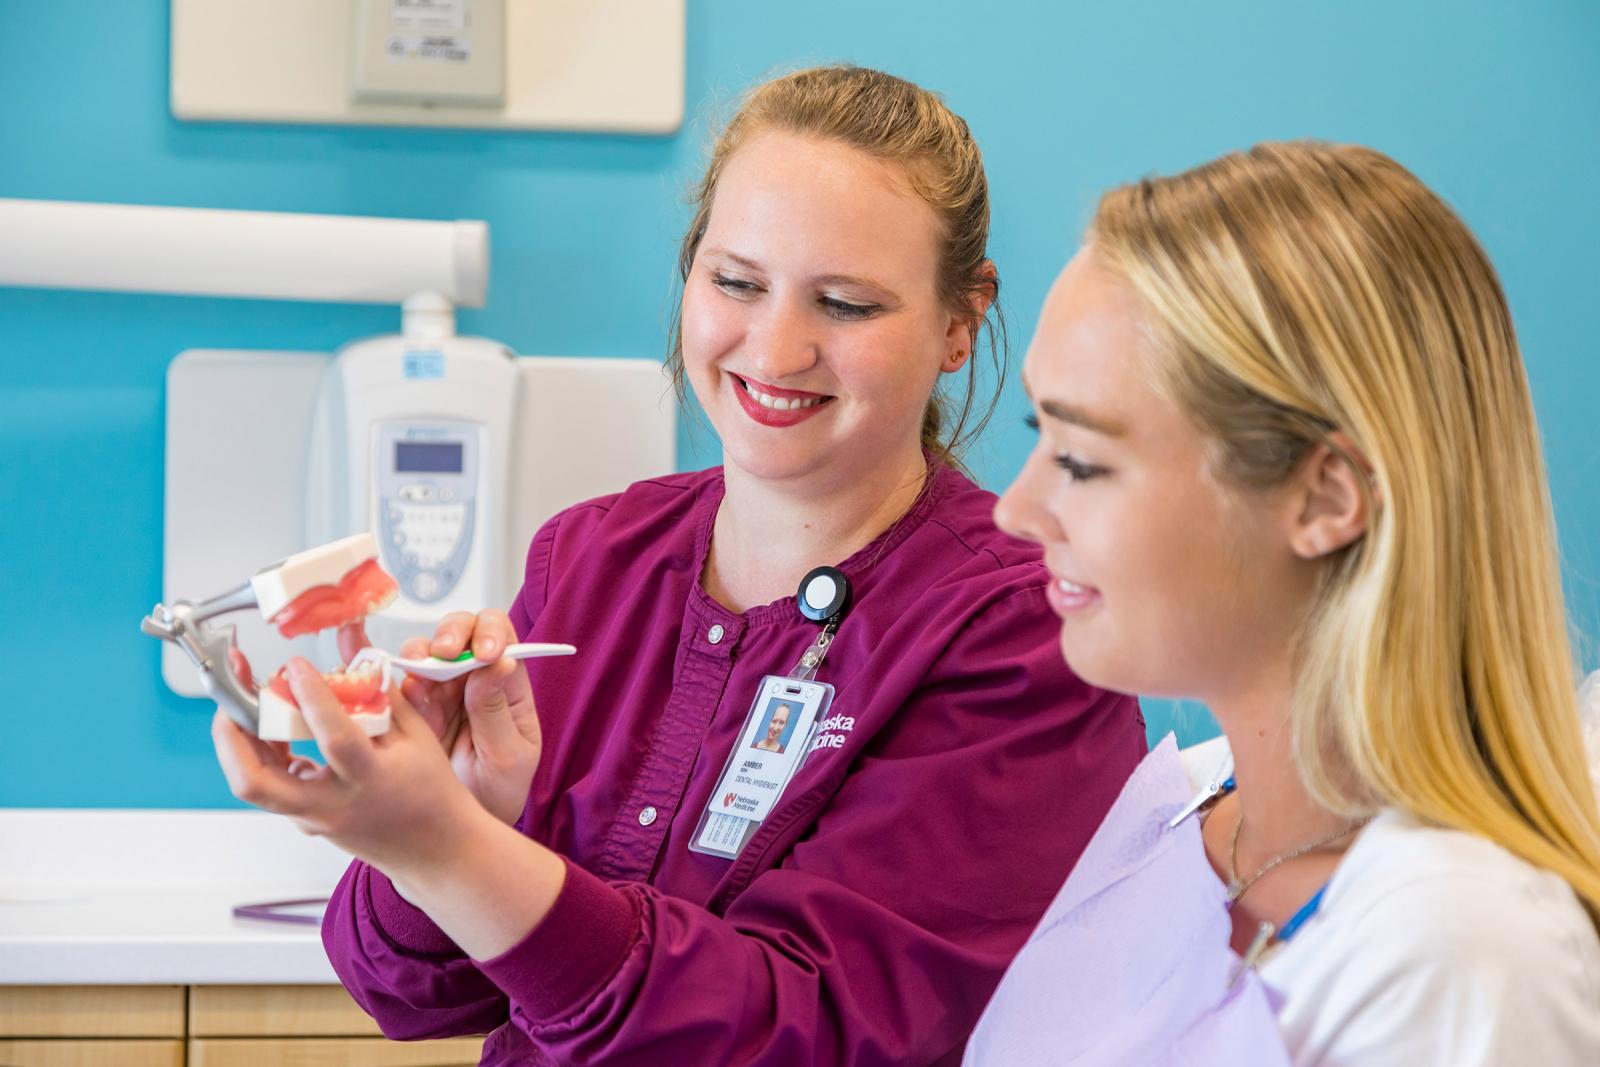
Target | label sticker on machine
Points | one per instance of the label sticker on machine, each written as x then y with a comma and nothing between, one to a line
774,739
429,14
445,47
424,363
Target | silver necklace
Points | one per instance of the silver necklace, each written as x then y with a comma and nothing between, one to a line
1236,888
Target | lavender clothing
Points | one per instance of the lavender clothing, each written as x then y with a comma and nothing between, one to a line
1131,964
871,916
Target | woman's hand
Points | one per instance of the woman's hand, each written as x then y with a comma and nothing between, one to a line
486,719
393,801
390,800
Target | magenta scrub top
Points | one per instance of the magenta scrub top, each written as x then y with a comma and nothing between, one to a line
961,771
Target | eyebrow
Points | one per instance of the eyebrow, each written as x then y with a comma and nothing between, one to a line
1064,412
826,279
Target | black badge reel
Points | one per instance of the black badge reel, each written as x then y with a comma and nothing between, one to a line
824,593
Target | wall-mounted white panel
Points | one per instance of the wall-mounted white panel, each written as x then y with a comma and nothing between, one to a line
592,65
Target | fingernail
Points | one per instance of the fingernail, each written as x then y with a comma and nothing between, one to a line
490,646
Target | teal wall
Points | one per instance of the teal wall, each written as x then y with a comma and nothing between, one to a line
1493,103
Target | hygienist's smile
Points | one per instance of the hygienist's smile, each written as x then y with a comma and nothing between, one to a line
772,406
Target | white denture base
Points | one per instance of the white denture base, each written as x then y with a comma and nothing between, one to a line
282,721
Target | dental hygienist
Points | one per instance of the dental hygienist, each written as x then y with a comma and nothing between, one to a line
1288,465
673,848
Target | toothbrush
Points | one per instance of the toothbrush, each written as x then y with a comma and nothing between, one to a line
442,670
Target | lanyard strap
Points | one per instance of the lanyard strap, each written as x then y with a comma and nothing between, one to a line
1299,919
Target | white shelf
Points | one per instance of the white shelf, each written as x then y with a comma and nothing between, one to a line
91,897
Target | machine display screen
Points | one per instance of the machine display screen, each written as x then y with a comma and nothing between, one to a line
411,457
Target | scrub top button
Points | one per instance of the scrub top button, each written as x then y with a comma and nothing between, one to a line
647,816
714,635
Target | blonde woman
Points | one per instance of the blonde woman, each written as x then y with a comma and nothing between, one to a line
557,891
1288,466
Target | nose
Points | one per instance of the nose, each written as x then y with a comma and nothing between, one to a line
1022,510
783,343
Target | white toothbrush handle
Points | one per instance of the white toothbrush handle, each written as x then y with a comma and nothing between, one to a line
530,650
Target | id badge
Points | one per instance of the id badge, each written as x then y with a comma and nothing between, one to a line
776,736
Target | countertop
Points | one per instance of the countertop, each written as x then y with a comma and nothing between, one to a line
146,897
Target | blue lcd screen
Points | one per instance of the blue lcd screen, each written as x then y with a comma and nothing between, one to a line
410,457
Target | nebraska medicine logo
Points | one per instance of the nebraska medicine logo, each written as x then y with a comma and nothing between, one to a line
728,799
831,733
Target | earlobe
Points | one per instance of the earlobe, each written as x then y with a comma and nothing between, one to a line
963,331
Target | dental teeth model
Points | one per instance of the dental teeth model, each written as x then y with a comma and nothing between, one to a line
321,588
363,692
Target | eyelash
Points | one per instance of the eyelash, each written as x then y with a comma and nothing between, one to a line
843,310
1076,469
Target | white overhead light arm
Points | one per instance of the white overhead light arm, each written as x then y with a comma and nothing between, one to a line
265,254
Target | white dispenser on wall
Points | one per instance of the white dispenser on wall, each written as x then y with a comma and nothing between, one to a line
410,440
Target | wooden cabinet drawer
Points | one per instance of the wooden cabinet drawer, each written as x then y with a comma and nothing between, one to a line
269,1011
91,1053
91,1011
227,1026
333,1052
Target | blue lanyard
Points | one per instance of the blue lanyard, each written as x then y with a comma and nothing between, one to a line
1307,910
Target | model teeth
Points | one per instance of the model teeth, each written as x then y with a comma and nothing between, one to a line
778,403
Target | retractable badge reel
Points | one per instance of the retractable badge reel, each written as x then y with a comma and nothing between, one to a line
778,731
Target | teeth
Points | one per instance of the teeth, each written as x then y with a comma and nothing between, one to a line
778,403
1071,588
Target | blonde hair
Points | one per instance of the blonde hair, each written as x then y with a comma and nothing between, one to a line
895,121
1303,288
